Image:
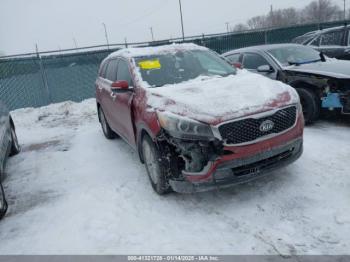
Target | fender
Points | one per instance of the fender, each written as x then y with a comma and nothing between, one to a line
142,129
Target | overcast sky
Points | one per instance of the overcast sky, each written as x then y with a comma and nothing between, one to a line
53,24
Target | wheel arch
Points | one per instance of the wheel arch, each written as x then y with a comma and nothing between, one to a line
143,130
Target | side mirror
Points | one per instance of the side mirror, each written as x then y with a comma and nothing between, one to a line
265,69
237,65
120,86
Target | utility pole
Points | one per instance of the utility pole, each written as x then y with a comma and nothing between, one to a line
106,34
151,28
227,27
75,43
272,16
344,10
182,22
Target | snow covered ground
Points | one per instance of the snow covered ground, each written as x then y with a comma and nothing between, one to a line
71,191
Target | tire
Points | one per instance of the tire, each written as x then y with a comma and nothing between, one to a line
156,165
310,104
107,131
3,203
15,148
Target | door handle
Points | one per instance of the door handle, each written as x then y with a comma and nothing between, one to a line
113,96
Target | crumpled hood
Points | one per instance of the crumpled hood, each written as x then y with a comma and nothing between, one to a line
216,99
332,68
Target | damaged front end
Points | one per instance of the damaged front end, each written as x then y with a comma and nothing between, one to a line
201,161
336,95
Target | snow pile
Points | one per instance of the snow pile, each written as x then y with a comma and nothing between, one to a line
71,191
211,99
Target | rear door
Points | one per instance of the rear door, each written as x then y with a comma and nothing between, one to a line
110,76
347,49
121,104
332,43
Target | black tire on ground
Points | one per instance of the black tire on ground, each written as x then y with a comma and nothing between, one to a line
107,131
310,104
157,166
15,148
3,203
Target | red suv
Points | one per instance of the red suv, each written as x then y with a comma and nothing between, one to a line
196,122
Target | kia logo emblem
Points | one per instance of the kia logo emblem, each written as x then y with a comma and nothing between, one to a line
266,126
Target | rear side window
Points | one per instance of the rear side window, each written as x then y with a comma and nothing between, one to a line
233,58
103,70
332,38
253,61
315,41
123,72
111,71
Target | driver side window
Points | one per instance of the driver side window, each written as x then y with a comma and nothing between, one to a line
253,61
123,72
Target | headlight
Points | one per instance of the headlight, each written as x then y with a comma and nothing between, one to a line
182,127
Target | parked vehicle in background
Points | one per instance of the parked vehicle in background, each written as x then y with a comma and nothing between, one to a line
321,82
333,42
8,147
195,122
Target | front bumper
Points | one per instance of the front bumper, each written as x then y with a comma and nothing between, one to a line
243,170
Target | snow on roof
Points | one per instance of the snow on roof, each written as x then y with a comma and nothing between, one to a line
154,50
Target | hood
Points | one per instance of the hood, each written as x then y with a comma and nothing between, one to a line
331,68
213,100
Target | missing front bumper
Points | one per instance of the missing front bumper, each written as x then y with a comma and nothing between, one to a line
240,171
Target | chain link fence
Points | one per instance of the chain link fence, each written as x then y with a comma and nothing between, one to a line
38,79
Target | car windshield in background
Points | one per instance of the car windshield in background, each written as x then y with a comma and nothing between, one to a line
173,68
294,55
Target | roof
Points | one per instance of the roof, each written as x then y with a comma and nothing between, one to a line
154,50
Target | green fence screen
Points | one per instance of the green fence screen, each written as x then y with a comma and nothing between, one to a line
39,80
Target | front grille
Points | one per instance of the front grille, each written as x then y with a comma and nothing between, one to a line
249,129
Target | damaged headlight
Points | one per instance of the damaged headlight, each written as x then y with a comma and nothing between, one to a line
182,127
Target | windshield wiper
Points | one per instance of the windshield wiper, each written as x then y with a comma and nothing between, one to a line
305,62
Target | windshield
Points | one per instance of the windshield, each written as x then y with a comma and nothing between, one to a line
173,68
290,55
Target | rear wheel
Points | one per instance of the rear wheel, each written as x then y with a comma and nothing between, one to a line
107,131
3,203
310,104
15,148
156,166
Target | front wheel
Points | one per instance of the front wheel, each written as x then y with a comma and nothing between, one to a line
310,105
155,166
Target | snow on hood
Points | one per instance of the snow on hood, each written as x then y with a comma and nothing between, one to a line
216,99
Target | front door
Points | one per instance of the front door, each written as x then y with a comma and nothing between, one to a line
121,104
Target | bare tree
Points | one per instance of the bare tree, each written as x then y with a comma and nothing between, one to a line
320,11
315,12
239,28
257,22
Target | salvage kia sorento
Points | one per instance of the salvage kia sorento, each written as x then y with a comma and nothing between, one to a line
196,122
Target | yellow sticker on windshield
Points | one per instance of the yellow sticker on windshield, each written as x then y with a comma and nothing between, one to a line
150,64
